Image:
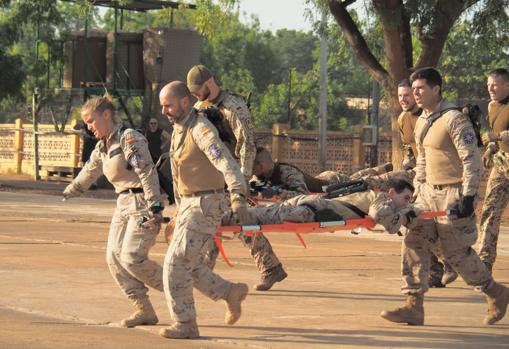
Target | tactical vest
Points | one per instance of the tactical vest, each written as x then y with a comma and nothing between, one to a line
195,172
498,119
115,166
406,122
314,184
443,165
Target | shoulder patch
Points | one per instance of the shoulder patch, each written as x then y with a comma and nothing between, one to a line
214,151
468,136
132,136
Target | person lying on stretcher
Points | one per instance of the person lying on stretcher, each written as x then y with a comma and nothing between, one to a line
389,208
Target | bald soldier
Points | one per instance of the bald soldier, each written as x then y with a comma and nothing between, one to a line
441,274
497,154
448,174
236,127
201,164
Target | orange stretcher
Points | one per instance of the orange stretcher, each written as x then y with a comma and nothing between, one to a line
303,228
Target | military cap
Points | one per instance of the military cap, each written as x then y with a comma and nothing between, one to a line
196,76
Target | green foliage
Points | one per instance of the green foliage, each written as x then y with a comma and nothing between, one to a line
467,59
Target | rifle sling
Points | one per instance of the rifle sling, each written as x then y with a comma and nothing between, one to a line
353,208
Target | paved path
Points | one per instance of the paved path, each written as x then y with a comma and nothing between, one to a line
56,291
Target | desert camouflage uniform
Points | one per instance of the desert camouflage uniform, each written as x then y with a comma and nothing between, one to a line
238,121
497,189
302,208
406,122
125,160
201,164
448,166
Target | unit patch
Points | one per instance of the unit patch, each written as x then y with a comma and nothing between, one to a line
468,137
214,151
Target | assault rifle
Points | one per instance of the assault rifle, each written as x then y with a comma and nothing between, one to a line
346,188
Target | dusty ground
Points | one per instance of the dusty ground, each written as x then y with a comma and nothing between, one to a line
56,291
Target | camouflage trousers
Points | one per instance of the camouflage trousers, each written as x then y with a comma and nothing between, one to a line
184,266
259,247
454,236
495,201
128,247
333,177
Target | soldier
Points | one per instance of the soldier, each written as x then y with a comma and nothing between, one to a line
448,174
236,117
406,122
440,275
201,165
122,155
387,208
236,124
292,181
497,193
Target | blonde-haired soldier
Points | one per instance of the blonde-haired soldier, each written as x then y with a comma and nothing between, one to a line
122,156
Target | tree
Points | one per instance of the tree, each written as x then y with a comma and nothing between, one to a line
430,21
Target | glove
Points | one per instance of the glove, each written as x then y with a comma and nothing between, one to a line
466,206
170,228
270,192
490,137
410,217
239,210
154,218
153,221
487,158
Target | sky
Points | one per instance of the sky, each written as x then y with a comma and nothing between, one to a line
276,14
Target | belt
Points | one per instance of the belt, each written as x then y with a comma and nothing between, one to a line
443,186
205,192
132,191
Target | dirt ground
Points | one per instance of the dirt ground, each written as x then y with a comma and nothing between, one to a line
56,291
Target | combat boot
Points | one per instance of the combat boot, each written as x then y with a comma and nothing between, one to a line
270,277
449,274
497,296
411,313
144,314
181,330
238,292
489,266
435,282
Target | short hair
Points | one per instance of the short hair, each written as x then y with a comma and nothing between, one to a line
262,156
100,104
399,185
500,72
179,90
430,74
405,83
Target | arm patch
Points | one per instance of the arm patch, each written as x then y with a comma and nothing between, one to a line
214,151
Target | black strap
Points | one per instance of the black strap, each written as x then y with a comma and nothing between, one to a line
353,208
132,190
